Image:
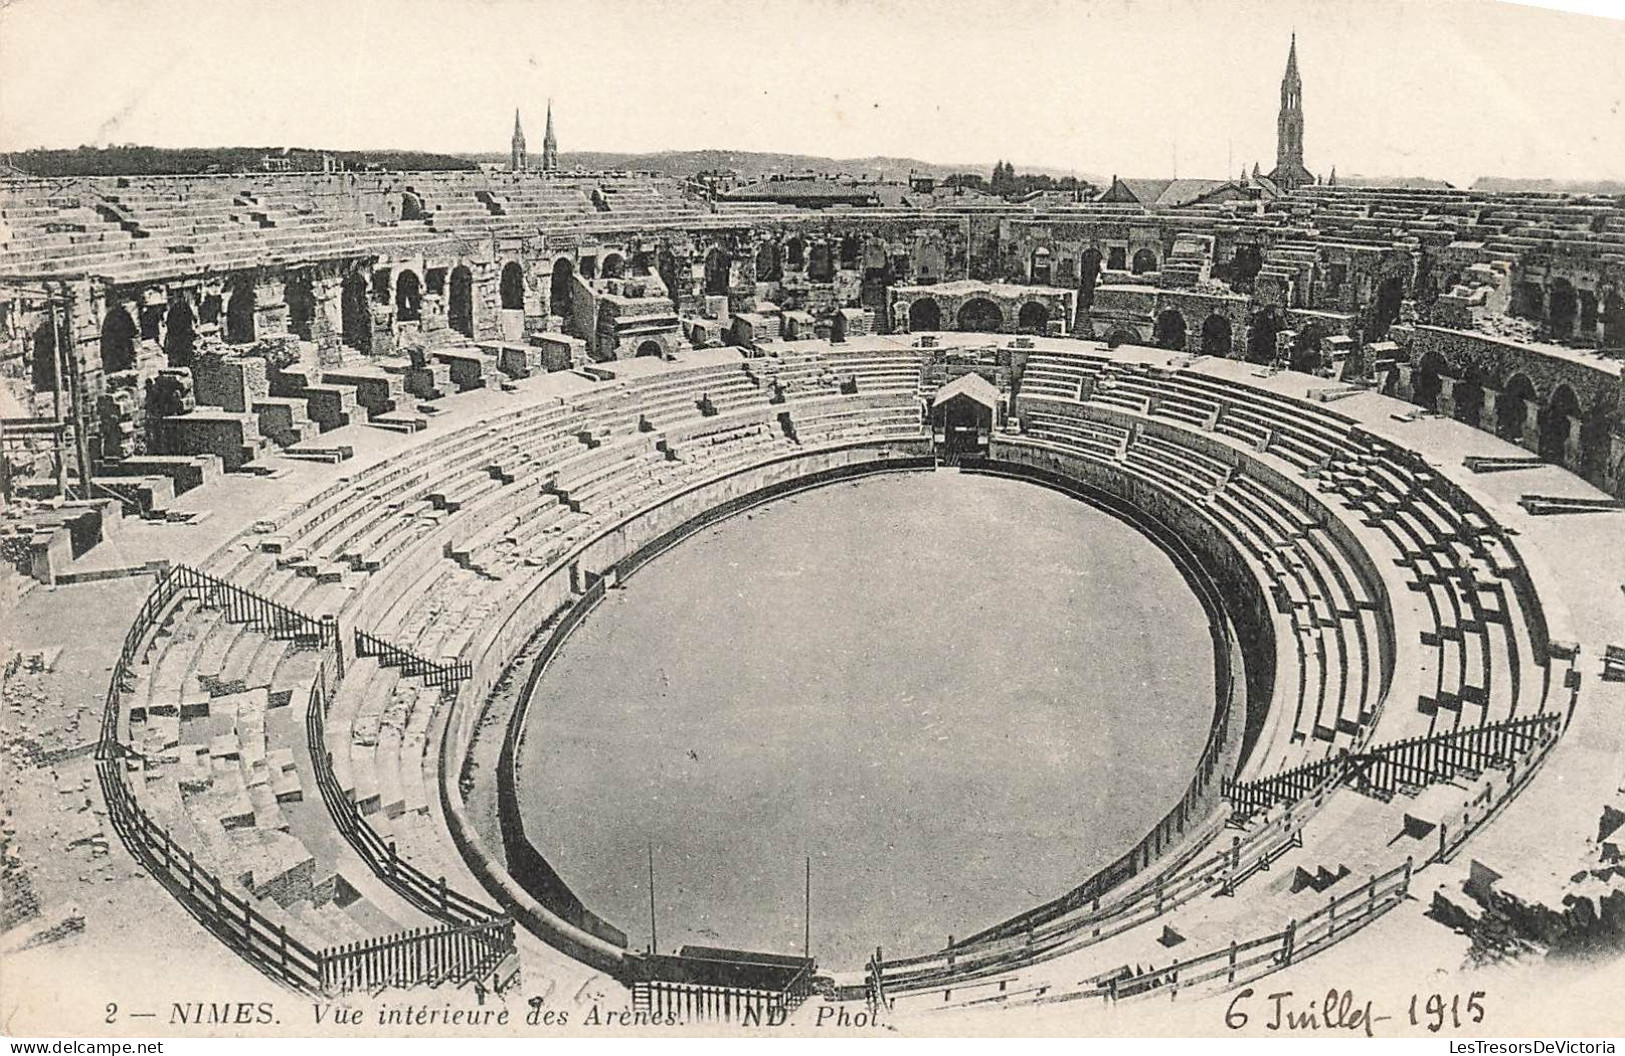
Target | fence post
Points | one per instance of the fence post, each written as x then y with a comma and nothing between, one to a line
1230,977
330,632
1290,938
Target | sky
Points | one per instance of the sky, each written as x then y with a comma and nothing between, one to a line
1452,89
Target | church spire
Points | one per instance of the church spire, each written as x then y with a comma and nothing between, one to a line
516,157
550,145
1289,168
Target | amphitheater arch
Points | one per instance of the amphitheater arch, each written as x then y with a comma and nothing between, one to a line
300,295
588,267
1469,400
48,345
980,315
1088,276
1216,336
1596,442
849,251
1613,321
408,297
560,291
1426,381
1117,258
820,263
1553,419
460,301
1169,331
356,313
924,314
1562,308
1306,356
718,266
1145,260
382,285
1122,336
411,206
650,348
614,266
512,286
1261,331
1245,264
1518,393
240,313
1039,266
795,254
1385,310
1032,319
180,332
118,340
768,266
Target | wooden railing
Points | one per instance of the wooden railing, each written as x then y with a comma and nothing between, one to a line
432,895
468,949
1401,766
433,673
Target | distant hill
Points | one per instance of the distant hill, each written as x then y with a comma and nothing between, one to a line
1505,184
1409,183
753,165
185,161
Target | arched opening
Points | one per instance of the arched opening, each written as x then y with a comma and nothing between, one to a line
180,333
718,266
118,341
559,290
1469,399
1145,260
1122,336
1306,355
460,301
1088,275
1385,312
795,253
1245,264
1586,330
408,297
849,252
980,315
48,345
1216,336
588,267
768,268
1613,322
649,348
1425,381
1261,331
512,286
411,206
1563,308
924,314
1509,408
643,263
152,317
1040,268
614,266
356,313
240,314
1032,319
1595,442
300,294
382,286
1554,424
820,263
1117,258
1170,330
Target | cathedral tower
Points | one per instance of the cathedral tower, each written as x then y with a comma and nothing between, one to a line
516,158
550,145
1289,169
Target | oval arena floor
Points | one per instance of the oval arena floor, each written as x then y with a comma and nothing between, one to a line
908,702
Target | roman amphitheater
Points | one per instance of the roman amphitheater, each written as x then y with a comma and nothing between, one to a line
527,584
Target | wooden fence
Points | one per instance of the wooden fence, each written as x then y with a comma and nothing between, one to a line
433,672
470,948
1403,766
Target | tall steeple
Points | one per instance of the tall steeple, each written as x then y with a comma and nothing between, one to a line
550,145
1289,169
516,159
